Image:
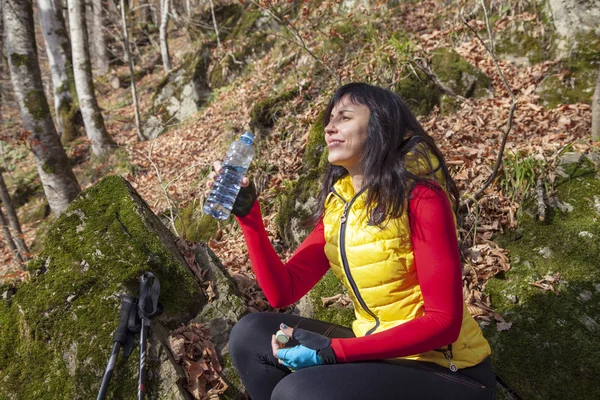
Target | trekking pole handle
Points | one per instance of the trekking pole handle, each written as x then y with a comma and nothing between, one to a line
127,304
148,305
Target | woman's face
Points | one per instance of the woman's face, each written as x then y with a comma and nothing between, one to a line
346,134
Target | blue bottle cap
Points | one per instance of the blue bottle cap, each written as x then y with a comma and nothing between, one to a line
248,137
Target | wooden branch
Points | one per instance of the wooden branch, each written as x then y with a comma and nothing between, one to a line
540,192
214,19
9,240
426,69
511,114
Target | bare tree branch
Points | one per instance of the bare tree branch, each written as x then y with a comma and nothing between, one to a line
291,28
511,113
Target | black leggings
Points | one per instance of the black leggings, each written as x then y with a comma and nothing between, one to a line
264,378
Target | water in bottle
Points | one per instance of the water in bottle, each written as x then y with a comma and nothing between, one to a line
227,186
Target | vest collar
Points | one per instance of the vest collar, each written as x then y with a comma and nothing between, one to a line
344,189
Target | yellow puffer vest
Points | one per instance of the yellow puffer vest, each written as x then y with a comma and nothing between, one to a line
377,268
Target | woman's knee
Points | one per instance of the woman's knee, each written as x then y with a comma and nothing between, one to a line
246,329
298,385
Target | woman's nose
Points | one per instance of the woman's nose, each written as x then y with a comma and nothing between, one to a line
330,128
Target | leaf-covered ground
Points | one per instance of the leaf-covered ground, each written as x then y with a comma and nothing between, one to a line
170,172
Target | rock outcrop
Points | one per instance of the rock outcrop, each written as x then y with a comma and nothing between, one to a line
56,329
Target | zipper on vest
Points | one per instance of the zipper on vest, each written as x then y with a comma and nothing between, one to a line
448,354
343,220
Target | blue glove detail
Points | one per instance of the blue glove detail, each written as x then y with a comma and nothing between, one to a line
299,357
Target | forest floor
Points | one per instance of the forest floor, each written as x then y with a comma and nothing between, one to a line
500,230
171,171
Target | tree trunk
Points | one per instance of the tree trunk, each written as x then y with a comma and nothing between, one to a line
96,34
92,117
8,237
13,220
136,109
164,43
58,180
154,9
145,12
214,19
596,111
58,49
3,60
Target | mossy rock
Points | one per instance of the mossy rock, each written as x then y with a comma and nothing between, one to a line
297,200
247,22
523,44
577,86
311,305
34,210
587,47
551,351
314,160
460,76
231,65
56,330
266,112
180,94
193,225
419,93
227,17
296,203
28,186
220,315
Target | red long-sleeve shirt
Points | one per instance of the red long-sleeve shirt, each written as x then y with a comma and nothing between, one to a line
437,263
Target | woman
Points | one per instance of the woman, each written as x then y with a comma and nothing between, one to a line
385,226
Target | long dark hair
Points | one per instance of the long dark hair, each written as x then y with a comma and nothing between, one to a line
394,137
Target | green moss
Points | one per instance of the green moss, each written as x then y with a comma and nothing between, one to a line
526,42
266,112
448,104
419,93
28,185
457,73
49,167
576,87
35,210
329,286
35,101
249,18
217,75
67,112
19,60
98,120
95,250
193,225
549,353
588,47
315,155
232,378
294,204
8,331
296,201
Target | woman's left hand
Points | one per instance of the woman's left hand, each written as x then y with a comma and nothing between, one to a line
276,345
307,354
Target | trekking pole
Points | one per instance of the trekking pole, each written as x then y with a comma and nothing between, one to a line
123,336
148,306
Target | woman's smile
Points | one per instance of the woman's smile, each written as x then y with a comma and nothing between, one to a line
346,134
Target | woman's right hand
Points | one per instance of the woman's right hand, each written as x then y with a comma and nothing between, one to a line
246,197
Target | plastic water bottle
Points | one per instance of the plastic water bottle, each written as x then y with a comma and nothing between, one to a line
227,186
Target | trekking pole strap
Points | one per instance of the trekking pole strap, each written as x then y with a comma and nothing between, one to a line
128,304
149,291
